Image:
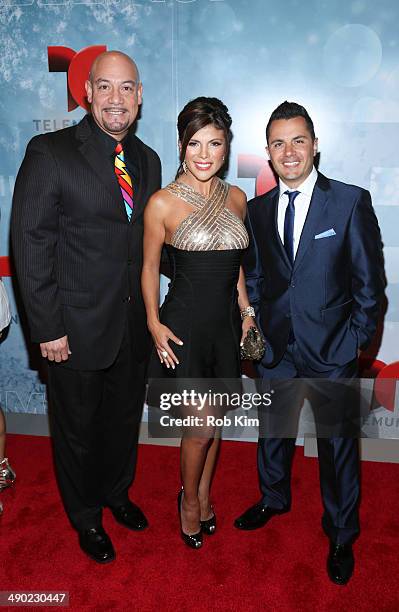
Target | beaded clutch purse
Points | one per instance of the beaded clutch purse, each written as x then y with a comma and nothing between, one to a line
253,346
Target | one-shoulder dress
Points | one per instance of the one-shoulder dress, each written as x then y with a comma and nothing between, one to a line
201,306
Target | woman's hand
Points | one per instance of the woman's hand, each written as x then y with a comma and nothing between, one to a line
161,334
247,323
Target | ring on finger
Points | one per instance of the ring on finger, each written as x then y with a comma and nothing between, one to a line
164,353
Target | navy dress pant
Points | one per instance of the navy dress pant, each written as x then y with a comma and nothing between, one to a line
338,456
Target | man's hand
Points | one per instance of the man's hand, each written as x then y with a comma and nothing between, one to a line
56,350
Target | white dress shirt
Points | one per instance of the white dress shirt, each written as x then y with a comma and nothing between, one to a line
302,203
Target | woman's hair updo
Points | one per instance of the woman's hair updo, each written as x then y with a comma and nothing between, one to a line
197,114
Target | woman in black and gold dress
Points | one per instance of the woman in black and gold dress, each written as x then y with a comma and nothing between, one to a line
198,333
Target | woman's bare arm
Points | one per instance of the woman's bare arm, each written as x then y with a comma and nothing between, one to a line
154,238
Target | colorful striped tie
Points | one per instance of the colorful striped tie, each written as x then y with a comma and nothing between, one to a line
124,180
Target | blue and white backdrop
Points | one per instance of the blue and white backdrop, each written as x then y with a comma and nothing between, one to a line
339,59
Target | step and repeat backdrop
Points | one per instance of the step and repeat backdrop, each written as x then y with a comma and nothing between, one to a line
339,59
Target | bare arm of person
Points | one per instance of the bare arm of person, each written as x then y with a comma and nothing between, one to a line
154,237
239,202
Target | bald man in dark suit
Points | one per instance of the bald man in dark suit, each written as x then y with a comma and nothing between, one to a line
77,240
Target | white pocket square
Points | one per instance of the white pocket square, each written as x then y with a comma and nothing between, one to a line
325,234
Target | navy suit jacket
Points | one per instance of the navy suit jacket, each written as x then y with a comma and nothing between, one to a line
331,295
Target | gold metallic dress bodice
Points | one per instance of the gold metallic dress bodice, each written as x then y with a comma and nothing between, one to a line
201,306
211,226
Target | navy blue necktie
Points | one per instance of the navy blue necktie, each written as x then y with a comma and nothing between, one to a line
289,224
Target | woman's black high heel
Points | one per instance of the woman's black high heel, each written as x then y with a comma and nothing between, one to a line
209,526
194,540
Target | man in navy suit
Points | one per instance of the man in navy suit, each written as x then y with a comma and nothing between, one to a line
315,276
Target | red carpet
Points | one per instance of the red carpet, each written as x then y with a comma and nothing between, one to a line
279,568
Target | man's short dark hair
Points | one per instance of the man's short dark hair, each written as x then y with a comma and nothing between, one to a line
290,110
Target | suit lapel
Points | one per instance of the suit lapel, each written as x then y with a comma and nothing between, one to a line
277,239
316,212
138,195
99,163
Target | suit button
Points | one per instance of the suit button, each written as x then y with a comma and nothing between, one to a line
292,285
127,299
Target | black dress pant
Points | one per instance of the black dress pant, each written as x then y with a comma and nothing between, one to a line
95,419
338,456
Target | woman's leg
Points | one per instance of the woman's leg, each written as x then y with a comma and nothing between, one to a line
2,445
2,435
193,454
206,479
7,474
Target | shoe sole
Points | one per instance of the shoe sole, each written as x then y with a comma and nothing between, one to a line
338,582
277,513
102,562
129,527
250,528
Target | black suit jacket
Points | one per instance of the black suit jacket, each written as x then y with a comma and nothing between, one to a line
331,295
78,258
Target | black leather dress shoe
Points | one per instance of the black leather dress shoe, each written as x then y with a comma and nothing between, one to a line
256,516
129,515
97,545
340,563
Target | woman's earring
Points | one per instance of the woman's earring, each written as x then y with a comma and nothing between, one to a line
223,159
184,165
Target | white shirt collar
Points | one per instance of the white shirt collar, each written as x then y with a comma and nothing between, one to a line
306,187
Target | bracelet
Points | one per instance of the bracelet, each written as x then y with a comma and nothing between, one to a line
249,311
